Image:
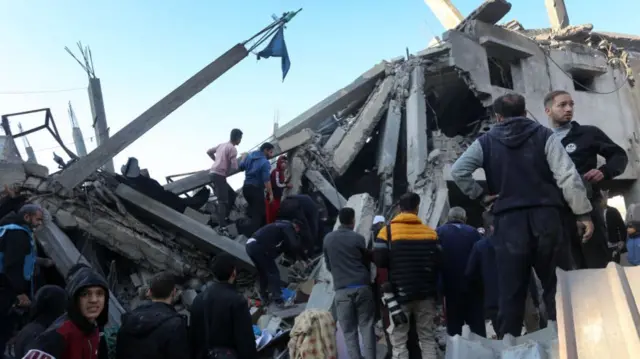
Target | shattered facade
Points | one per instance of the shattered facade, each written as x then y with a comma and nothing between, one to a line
396,128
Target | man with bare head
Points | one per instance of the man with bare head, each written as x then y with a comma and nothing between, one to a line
584,143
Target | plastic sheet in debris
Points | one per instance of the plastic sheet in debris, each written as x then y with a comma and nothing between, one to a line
542,344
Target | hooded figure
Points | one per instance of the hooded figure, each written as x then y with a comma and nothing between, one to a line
278,183
76,334
49,304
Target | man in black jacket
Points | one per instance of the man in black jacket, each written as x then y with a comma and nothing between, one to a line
616,228
532,179
303,208
584,143
17,264
220,319
154,330
267,244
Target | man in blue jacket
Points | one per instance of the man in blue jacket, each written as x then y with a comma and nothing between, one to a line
463,305
257,177
17,264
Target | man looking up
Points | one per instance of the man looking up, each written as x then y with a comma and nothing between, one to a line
155,329
225,162
348,260
530,176
584,143
257,172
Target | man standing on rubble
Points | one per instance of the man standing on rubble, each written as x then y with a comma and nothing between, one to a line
529,176
348,259
584,143
463,305
257,177
267,244
225,163
17,265
411,253
220,320
155,330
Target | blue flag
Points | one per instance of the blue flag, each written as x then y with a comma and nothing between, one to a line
277,48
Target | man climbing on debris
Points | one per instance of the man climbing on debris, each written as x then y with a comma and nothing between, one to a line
463,305
411,253
305,210
76,334
529,176
257,172
17,265
267,244
220,321
155,330
348,259
225,162
584,143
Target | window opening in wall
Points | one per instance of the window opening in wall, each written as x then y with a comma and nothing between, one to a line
500,73
583,81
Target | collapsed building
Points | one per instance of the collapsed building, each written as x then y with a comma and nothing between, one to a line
396,128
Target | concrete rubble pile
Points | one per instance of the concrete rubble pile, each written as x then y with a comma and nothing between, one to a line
396,128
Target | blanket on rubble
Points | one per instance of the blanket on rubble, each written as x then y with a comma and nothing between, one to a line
313,336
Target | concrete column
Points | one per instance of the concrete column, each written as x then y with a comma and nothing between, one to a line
388,151
99,117
416,117
557,12
448,15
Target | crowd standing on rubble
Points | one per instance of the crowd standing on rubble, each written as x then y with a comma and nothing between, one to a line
545,209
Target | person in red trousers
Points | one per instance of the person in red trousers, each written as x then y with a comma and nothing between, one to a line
278,183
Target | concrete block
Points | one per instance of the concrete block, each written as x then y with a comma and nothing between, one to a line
36,170
32,183
200,235
334,140
196,215
502,43
297,139
326,188
363,127
358,89
136,280
471,57
65,219
490,12
11,173
416,119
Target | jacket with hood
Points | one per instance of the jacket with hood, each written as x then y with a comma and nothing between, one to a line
278,179
50,303
154,331
257,169
220,319
279,237
72,336
526,165
413,258
17,260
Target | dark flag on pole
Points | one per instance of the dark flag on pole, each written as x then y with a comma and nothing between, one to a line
277,48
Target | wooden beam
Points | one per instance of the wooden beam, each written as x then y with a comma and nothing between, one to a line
202,236
83,168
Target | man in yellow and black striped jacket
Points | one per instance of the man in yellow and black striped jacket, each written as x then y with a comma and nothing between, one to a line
412,257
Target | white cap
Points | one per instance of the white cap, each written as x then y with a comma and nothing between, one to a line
378,219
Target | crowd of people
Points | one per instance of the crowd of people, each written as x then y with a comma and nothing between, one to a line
545,208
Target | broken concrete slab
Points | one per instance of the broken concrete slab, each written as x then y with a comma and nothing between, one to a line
490,12
364,125
557,12
447,13
358,89
196,215
9,151
334,140
12,173
297,169
416,120
85,166
388,151
326,188
502,43
64,254
201,236
65,220
285,144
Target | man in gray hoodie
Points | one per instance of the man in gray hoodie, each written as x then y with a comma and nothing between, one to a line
348,260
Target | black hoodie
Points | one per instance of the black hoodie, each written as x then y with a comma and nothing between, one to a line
72,336
16,246
49,304
154,331
516,166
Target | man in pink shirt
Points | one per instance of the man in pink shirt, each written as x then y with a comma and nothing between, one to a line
225,163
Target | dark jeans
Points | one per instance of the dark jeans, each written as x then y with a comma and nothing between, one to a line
595,253
465,308
256,210
269,275
526,238
6,331
226,197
